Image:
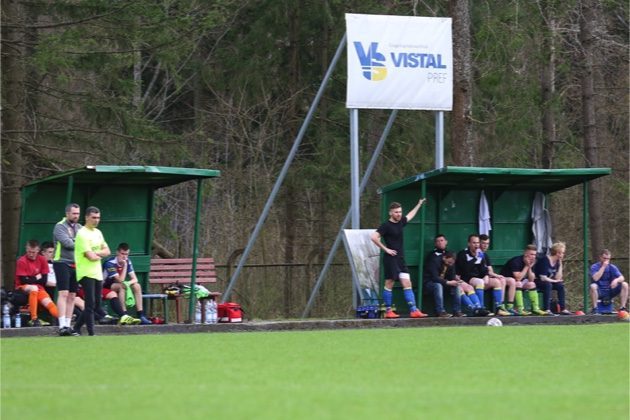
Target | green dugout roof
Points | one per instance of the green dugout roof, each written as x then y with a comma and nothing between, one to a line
155,176
543,180
124,194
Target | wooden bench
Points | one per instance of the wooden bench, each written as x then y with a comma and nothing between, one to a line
167,271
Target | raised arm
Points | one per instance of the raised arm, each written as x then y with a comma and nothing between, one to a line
414,211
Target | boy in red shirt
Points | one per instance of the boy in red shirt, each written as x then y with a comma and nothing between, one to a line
31,273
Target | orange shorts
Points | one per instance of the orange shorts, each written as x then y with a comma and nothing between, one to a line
41,292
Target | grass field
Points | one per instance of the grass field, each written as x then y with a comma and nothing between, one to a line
537,372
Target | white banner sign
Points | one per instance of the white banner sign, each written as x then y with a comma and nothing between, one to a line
399,62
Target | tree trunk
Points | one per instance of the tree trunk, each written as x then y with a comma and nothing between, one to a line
548,86
462,143
589,28
13,122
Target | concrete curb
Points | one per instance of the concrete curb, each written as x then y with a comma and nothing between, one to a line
312,325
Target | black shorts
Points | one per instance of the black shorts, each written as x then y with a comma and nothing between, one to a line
393,267
66,277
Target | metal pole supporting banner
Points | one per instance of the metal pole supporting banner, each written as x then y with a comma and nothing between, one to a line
439,139
355,198
338,238
285,169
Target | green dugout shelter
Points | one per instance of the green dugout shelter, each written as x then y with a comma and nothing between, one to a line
454,195
124,194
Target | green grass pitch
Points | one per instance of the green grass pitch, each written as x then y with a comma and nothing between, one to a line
526,372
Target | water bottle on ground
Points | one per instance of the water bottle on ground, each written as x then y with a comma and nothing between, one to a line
18,320
209,312
6,318
214,318
198,313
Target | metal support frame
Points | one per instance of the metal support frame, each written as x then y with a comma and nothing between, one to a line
439,139
423,213
193,274
338,238
285,169
69,189
355,198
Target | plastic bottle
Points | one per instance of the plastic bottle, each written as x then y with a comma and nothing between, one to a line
213,311
6,318
198,313
18,320
208,312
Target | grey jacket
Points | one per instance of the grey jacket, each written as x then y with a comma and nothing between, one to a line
63,237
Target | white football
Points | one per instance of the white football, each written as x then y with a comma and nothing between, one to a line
494,322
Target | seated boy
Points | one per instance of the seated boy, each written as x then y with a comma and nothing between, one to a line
31,273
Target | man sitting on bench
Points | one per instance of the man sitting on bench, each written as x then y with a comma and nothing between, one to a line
116,270
31,273
607,282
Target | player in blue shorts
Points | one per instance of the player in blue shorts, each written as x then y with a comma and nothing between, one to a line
391,232
607,282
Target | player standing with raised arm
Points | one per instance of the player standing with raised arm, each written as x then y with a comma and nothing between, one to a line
391,233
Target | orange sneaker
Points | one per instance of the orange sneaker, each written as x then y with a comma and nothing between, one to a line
418,314
391,314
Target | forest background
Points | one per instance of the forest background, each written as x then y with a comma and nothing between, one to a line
226,84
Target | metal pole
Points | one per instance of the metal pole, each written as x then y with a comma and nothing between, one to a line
585,249
439,139
423,212
285,169
69,189
364,181
355,199
193,274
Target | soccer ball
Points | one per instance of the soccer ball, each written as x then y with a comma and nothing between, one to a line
494,322
623,316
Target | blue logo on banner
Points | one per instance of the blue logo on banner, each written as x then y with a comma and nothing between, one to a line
373,62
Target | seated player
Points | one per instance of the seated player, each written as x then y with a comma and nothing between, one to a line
439,275
507,283
470,268
48,252
521,269
549,276
31,273
116,270
607,282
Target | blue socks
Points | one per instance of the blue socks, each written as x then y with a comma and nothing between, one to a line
410,299
475,300
466,301
470,301
387,298
480,297
497,294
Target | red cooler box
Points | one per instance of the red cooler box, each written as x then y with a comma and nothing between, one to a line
230,312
